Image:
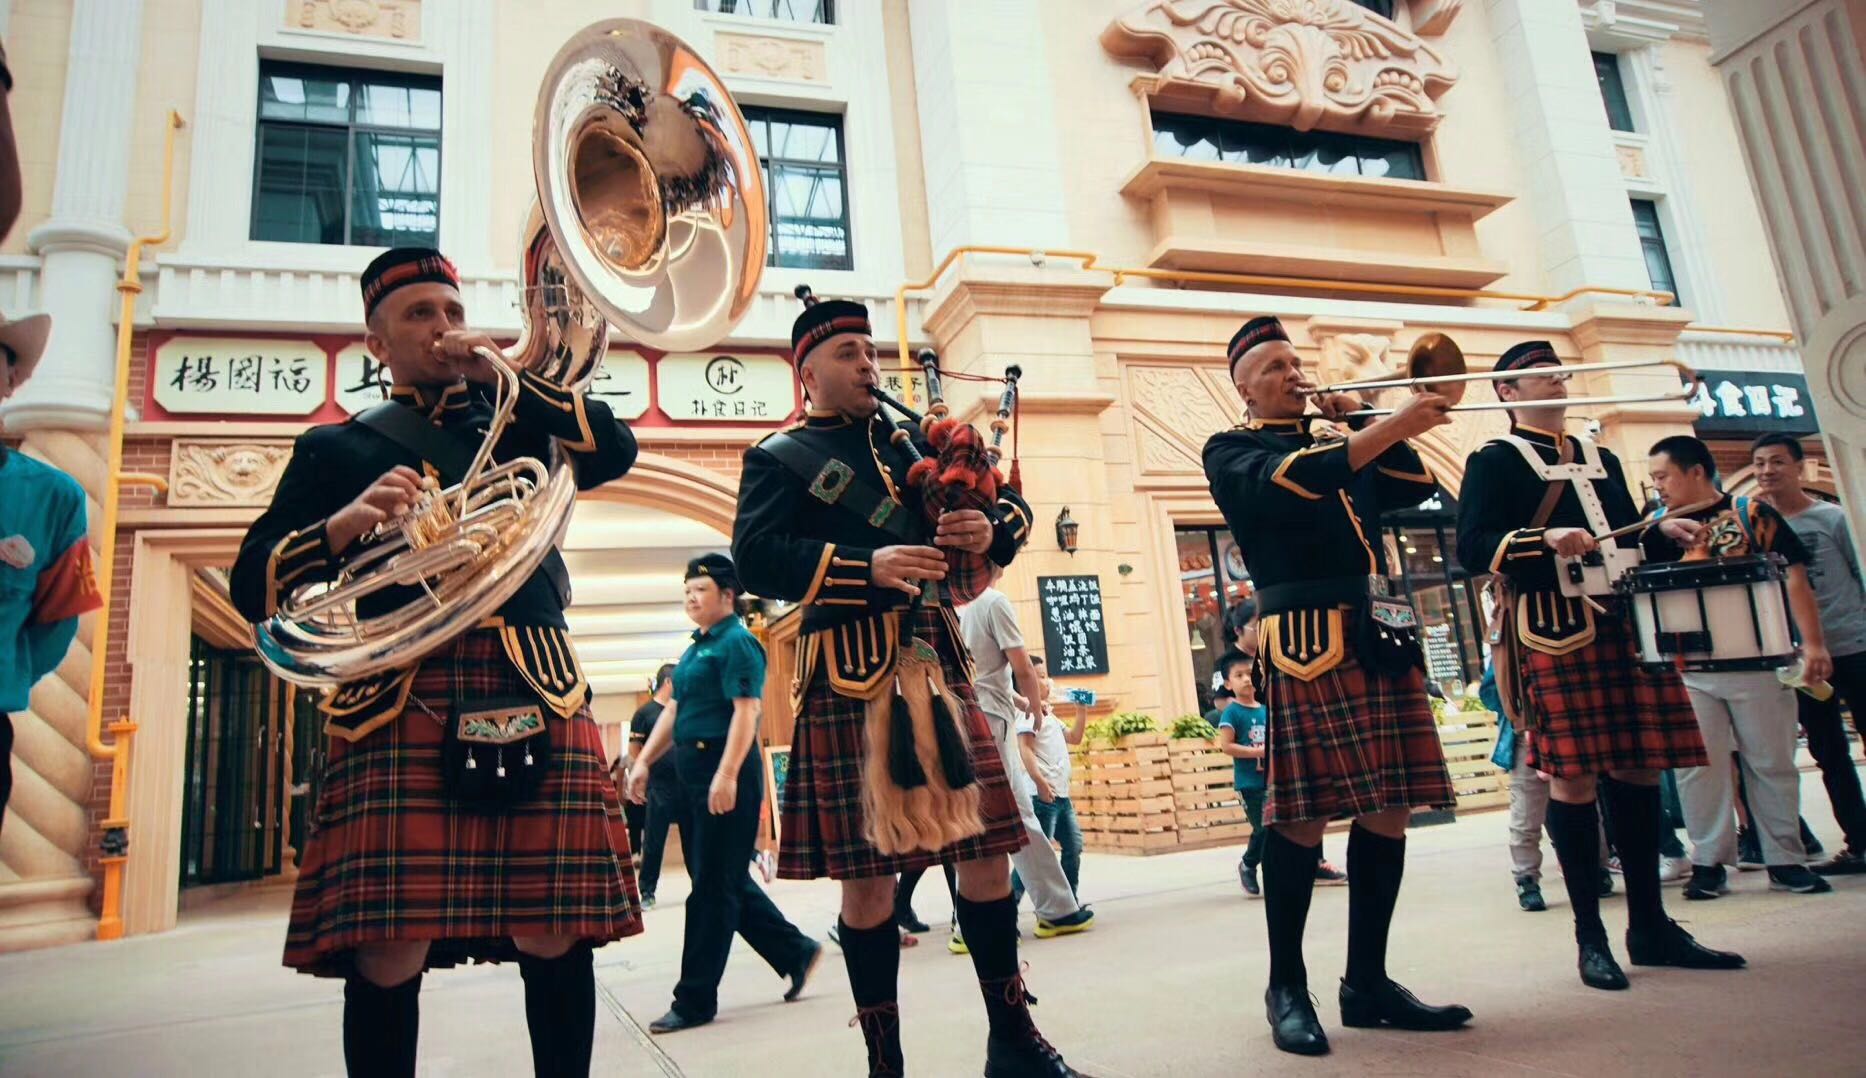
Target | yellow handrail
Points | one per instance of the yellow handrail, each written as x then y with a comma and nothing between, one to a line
117,825
1092,261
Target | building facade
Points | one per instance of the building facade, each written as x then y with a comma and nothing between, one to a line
1097,190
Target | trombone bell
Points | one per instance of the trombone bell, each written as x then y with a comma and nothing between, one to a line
1433,356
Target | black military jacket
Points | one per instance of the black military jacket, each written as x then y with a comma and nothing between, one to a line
287,548
805,540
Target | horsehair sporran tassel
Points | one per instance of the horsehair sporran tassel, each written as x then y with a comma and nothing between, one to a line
931,816
903,764
955,754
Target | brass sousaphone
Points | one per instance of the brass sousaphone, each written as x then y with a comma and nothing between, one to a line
650,217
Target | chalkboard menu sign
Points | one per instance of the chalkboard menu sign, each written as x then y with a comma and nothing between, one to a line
1441,655
1074,639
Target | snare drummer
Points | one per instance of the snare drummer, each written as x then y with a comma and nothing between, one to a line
1748,712
1603,726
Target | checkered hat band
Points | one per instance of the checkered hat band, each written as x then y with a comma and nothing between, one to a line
430,268
1270,332
817,334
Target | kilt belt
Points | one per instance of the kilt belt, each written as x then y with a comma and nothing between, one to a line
859,656
542,654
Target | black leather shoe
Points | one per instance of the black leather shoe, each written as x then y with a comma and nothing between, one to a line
1390,1004
1293,1023
801,975
1673,946
673,1022
1529,895
909,921
1598,968
1028,1056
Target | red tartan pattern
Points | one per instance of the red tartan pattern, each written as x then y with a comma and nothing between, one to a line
1602,712
391,858
1349,743
821,829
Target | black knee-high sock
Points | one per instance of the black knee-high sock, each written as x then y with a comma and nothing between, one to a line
873,958
1288,884
990,931
1375,865
560,1011
1575,831
381,1027
1633,817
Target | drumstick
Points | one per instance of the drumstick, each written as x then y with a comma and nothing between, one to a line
1644,523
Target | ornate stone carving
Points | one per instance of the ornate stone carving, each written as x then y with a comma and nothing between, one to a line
398,20
1632,162
1430,18
1175,410
772,57
225,473
1306,63
1354,349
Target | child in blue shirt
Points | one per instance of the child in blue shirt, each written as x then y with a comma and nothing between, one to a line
1241,732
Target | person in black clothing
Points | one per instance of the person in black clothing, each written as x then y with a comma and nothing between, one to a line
711,725
826,519
667,801
401,874
1350,735
1567,667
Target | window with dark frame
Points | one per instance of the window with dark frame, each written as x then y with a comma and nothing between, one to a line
1203,138
1652,243
817,11
346,156
806,187
1613,91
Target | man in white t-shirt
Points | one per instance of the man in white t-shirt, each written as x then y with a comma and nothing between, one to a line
989,626
1043,745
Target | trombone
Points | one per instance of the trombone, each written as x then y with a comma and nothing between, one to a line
1436,360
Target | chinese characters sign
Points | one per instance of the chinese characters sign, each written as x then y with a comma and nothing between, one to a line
216,376
724,388
1074,639
1751,402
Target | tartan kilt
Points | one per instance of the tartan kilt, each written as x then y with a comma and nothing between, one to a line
1351,742
821,826
1600,711
391,858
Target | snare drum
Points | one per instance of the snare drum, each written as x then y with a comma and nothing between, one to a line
1598,572
1721,614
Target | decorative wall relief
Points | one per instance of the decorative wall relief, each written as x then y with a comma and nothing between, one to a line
772,57
1175,409
1330,64
397,20
224,474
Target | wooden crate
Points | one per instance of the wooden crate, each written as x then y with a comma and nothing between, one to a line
1468,738
1124,795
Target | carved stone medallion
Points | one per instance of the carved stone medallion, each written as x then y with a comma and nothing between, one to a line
225,473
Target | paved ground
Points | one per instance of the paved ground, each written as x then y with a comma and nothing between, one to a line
1168,983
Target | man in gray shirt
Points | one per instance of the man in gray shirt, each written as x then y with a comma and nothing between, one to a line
1835,573
989,626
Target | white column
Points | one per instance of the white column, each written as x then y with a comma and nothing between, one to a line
1797,85
1565,146
987,124
84,240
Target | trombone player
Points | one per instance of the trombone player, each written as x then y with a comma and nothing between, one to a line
1568,668
465,812
1351,733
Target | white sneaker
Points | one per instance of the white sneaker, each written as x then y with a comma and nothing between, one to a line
1674,869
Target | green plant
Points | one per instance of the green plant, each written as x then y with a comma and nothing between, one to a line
1099,732
1192,726
1132,722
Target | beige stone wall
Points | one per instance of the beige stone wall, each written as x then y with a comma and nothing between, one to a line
166,80
38,39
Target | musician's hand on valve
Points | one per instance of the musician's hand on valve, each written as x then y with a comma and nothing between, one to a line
1569,542
387,498
1681,530
967,529
460,348
902,567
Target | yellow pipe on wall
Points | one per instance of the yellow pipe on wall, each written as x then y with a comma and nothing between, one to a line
1091,261
116,825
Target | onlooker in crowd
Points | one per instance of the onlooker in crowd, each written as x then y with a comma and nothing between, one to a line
1748,712
1529,809
1243,730
989,626
667,800
1834,571
1241,625
1222,697
1043,745
46,579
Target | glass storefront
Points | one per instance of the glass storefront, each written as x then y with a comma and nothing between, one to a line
1421,547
